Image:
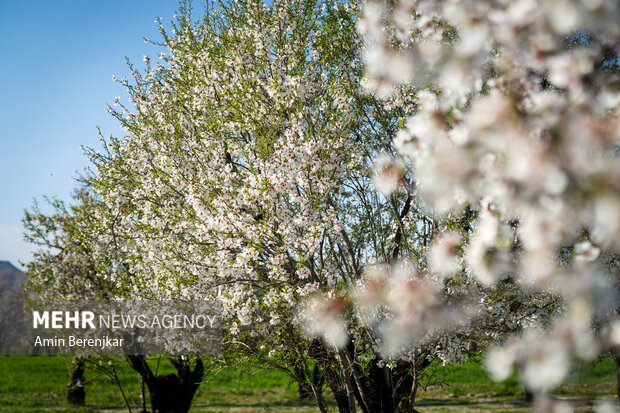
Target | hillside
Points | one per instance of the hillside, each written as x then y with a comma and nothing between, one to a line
10,276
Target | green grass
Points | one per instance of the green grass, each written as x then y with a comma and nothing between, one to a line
597,378
593,372
38,384
32,384
470,377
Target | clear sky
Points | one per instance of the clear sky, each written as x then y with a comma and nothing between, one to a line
56,63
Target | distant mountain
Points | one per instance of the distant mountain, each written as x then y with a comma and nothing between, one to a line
10,276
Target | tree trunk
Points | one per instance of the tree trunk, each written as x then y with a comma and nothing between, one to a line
376,390
335,384
379,390
340,394
304,388
76,396
171,393
142,395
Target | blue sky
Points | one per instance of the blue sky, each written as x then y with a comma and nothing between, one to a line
56,63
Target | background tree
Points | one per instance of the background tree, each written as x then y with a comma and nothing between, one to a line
64,267
79,260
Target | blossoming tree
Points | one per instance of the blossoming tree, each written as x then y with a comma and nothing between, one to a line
246,176
63,267
78,260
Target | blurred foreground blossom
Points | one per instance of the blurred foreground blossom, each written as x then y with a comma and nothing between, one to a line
388,173
443,256
500,362
325,316
542,359
517,121
607,407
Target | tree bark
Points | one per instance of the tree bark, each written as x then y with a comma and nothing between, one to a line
142,395
376,390
304,390
334,381
76,396
170,393
335,384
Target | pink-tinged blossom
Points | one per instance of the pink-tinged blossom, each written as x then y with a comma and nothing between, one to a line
443,257
614,335
500,362
585,251
324,316
388,172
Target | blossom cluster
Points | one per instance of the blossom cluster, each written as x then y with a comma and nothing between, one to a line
516,120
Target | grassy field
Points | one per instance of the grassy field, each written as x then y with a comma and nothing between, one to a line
38,384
